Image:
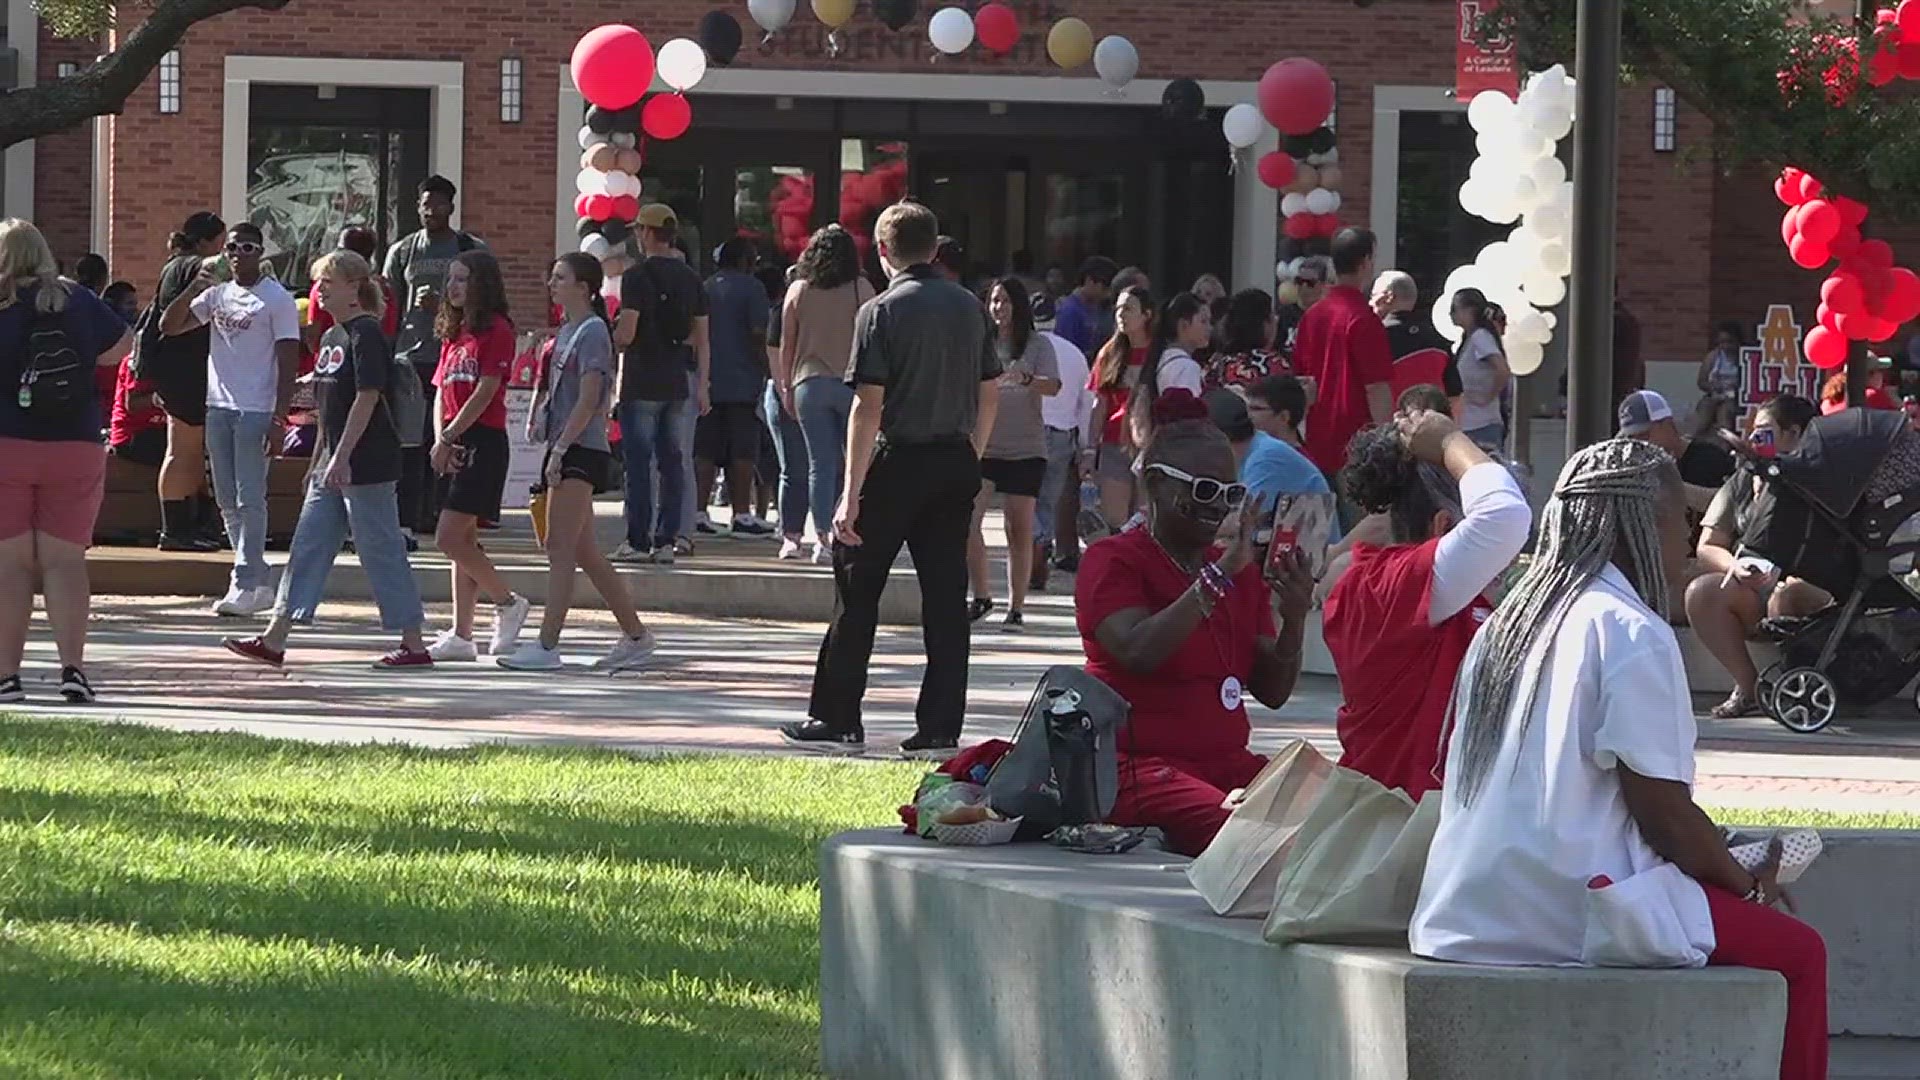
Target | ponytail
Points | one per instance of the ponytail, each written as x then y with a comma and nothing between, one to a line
600,308
178,244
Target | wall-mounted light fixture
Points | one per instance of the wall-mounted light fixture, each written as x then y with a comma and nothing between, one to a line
170,82
511,86
67,69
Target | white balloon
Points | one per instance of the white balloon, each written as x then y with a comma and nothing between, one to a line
1489,109
1555,258
1496,261
1548,173
596,245
1241,125
950,30
1551,222
1331,157
591,182
1293,202
772,15
1322,201
625,140
1117,61
617,183
588,137
682,63
1528,325
1524,357
1544,289
1443,319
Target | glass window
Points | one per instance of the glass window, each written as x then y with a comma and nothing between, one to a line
680,187
873,175
1082,217
307,184
773,207
1434,234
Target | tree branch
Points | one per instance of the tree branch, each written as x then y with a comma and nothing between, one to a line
103,87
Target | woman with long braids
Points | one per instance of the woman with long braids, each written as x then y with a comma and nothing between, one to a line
1399,620
1568,811
1183,628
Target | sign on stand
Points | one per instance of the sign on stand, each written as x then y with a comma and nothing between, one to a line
1775,366
524,457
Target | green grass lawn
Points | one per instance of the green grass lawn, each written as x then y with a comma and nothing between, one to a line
219,906
232,908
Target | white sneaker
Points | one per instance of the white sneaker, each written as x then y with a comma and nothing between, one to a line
508,620
630,653
450,646
790,548
822,553
230,603
627,553
256,600
531,656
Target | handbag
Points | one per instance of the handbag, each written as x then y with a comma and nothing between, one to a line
1353,876
1064,766
1237,872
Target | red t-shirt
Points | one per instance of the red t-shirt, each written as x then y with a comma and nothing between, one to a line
1395,671
466,360
389,318
1342,345
1113,403
1178,711
124,423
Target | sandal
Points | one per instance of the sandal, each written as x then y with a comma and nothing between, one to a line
978,609
1739,704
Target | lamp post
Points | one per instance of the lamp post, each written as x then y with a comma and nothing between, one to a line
1595,164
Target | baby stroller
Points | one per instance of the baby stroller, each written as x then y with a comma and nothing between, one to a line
1832,513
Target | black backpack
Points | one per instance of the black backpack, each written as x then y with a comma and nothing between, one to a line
666,316
55,382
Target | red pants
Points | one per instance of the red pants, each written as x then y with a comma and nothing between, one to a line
1181,798
1751,935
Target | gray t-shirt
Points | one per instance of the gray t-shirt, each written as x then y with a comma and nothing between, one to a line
930,343
578,348
1019,432
415,260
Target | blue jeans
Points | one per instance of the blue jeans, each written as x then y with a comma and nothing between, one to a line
652,433
1063,452
237,452
790,446
372,513
824,404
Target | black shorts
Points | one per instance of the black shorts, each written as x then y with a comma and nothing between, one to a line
583,463
1019,476
728,433
475,487
147,448
183,397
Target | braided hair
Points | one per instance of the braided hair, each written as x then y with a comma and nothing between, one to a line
1608,497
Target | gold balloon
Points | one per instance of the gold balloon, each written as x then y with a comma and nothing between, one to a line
1288,292
1070,43
834,13
627,161
602,157
1330,177
1305,179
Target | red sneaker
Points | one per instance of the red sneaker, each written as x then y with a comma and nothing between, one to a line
256,650
404,659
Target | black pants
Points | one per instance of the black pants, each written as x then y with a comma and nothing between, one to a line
419,492
921,496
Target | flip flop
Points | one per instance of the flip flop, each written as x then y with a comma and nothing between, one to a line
1737,706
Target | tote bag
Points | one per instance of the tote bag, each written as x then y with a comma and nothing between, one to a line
1237,872
1354,875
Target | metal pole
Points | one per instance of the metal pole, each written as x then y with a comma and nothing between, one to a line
1595,159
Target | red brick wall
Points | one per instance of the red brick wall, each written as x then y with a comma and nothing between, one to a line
63,164
507,191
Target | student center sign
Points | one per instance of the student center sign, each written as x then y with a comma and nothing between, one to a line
1776,366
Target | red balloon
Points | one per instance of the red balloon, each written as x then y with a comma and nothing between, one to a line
1852,326
1825,348
1874,255
1843,293
1787,186
1852,211
1810,188
1903,296
1296,96
997,28
1807,253
1329,225
613,66
1907,60
1820,221
1790,225
1884,65
1828,318
1277,169
580,206
625,207
599,207
666,116
1907,18
1846,244
1879,330
1301,226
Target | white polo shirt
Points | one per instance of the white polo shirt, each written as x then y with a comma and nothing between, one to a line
1507,879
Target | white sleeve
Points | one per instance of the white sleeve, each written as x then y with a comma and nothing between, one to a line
283,316
1645,710
1182,372
1484,543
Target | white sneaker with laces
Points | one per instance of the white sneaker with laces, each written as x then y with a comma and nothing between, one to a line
531,656
508,620
450,646
822,553
230,603
256,600
629,653
790,548
627,553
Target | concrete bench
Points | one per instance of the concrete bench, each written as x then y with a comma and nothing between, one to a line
1018,962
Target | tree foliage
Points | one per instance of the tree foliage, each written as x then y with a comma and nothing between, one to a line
102,88
1780,85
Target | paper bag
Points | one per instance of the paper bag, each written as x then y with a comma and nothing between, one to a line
1237,871
1354,874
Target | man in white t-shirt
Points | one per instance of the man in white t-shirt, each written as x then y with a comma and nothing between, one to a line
250,371
1568,834
1068,416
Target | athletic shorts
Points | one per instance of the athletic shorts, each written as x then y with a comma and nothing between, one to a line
147,448
584,463
475,487
1020,476
182,389
51,487
728,433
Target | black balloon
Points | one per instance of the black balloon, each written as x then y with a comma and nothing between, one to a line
896,14
600,120
1297,146
1291,249
615,230
626,121
1321,140
586,227
1183,100
720,36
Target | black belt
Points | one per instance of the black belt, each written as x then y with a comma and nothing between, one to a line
928,442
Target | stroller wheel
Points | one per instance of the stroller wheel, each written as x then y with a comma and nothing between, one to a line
1804,700
1764,686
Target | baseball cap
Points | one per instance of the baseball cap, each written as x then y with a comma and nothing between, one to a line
1228,411
657,216
1641,410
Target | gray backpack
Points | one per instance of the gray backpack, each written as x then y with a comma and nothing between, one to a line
1064,765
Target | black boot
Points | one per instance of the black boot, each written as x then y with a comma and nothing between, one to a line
177,531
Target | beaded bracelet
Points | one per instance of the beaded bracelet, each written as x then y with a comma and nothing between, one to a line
1215,580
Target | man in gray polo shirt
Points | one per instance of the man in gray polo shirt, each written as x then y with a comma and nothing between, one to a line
923,374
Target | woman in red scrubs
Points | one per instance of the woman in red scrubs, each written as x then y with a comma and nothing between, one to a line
1400,619
1184,629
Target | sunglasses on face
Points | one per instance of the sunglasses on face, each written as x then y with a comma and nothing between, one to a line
243,247
1205,489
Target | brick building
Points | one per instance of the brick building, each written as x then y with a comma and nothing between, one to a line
261,118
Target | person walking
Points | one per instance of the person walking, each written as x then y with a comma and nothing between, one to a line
177,367
925,373
251,362
728,435
1068,416
1108,459
789,441
810,370
1015,462
52,466
662,333
569,418
470,451
351,483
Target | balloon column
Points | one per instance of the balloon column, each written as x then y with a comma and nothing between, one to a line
1296,98
613,66
1518,177
1867,297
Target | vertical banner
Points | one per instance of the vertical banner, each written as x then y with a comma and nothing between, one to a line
1494,65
